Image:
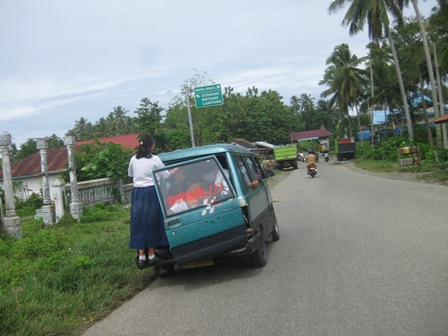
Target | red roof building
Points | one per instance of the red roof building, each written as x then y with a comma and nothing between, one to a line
322,132
129,140
28,170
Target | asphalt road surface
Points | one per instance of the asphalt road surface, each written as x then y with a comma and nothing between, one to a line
357,255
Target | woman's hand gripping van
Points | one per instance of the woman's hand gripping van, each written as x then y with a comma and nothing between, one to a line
216,203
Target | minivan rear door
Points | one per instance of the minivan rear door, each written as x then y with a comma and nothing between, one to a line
203,217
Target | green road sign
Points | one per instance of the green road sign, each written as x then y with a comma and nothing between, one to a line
210,95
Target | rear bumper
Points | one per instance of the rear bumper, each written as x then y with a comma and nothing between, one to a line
251,245
231,243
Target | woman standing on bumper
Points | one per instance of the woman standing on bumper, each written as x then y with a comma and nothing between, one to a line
146,230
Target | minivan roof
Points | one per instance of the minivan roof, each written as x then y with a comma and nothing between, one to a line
202,151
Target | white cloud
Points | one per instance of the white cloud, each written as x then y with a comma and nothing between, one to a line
62,60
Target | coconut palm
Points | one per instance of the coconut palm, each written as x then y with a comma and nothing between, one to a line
414,64
120,120
306,105
294,104
437,107
345,80
102,128
325,106
439,31
439,25
376,14
83,129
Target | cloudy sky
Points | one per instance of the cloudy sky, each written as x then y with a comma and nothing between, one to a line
61,60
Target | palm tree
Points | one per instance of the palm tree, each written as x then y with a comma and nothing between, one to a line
306,105
385,93
437,107
413,58
439,25
102,128
345,80
376,14
325,106
55,141
83,129
294,104
120,120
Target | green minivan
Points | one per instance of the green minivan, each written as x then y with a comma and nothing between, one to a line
216,203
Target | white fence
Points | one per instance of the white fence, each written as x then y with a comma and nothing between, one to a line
105,190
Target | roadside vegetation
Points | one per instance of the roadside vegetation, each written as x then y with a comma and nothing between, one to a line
58,279
383,157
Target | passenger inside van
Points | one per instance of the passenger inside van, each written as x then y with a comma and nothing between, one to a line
199,184
214,181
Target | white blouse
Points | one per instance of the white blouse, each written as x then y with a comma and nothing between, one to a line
140,170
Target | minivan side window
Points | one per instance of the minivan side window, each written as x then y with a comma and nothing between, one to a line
247,172
254,168
251,167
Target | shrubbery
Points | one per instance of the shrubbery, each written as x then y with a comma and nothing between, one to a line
388,150
99,212
29,206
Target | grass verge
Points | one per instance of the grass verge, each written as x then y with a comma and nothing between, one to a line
435,172
59,279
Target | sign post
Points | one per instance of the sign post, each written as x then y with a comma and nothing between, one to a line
187,95
206,96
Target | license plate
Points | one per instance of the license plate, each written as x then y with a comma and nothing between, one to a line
199,263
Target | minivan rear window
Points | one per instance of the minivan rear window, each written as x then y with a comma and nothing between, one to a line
192,185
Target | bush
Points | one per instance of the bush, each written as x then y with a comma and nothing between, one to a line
366,151
29,206
99,212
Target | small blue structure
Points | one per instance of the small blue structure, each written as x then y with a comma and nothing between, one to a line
365,135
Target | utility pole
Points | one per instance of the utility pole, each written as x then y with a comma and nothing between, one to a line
187,94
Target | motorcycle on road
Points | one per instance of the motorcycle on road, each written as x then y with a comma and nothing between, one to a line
312,170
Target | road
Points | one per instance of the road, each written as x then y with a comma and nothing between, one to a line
357,255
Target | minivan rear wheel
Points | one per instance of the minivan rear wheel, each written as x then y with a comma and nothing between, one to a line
258,258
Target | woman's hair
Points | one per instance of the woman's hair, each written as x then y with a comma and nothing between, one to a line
144,147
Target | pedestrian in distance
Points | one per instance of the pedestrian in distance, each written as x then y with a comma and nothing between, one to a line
147,231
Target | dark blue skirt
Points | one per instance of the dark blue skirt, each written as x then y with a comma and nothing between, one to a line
147,229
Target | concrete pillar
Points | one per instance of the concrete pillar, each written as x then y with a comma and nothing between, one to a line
58,192
75,205
47,209
11,221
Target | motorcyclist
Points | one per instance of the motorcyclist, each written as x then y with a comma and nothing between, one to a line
310,159
327,156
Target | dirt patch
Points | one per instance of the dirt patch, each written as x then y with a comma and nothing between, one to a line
278,177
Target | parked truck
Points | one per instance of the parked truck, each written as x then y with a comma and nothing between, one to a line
286,156
345,149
